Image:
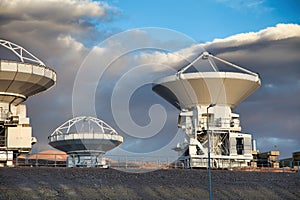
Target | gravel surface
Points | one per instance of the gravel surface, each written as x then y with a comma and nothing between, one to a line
79,183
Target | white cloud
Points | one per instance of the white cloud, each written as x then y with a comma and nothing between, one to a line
279,32
273,53
40,24
54,10
70,43
57,32
176,59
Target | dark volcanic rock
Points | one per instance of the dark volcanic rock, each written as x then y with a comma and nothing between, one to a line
79,183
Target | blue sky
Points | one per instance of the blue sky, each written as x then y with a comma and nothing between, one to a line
206,20
62,32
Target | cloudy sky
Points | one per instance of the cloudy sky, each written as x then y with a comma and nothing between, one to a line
85,43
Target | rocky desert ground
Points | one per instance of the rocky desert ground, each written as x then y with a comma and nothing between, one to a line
81,183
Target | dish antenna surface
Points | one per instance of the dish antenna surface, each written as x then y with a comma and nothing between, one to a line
85,140
205,100
19,80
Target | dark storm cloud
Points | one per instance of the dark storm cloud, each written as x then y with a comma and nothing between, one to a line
61,33
272,113
57,32
53,27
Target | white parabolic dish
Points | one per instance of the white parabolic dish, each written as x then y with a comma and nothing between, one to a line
94,136
203,88
18,80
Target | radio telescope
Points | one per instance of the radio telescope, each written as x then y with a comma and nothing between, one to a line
206,100
20,79
85,140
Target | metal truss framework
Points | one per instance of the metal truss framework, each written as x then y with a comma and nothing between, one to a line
206,55
20,52
66,127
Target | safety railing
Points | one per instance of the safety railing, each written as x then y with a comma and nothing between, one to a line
142,162
156,162
49,160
